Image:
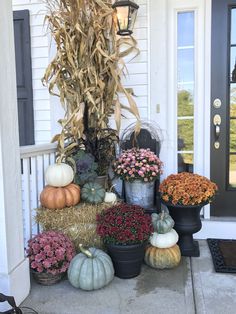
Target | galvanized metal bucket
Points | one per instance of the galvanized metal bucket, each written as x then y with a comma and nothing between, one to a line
140,193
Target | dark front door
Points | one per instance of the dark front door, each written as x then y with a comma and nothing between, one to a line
223,106
24,77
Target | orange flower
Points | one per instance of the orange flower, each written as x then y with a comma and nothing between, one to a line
187,189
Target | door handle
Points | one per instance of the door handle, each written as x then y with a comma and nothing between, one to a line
217,123
217,130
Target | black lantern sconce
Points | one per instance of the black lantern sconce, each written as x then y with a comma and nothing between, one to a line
126,13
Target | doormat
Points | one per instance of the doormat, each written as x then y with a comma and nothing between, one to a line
223,253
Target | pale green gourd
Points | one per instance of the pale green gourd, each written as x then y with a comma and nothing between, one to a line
93,193
91,269
162,223
163,258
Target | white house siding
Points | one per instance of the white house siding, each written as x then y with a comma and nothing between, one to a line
40,59
47,109
138,68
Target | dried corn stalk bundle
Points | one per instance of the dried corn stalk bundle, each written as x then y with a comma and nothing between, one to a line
86,71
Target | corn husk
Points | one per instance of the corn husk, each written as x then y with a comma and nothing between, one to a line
87,68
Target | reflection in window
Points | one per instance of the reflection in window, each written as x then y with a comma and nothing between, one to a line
233,101
232,137
233,64
185,87
232,171
232,104
185,65
233,26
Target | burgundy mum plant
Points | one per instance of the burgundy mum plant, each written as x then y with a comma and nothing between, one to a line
138,164
50,252
124,224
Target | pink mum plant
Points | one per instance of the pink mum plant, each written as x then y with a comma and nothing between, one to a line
138,164
50,252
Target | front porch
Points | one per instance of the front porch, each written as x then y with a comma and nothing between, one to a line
193,287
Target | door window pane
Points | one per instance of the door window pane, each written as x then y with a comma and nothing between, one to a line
233,26
232,136
185,162
185,103
232,171
233,64
233,101
185,135
185,29
186,65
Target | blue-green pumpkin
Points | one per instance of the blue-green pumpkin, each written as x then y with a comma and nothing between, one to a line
91,269
93,192
162,223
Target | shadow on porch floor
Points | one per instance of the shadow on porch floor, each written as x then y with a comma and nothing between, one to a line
193,287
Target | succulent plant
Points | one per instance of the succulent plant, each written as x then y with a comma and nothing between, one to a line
85,167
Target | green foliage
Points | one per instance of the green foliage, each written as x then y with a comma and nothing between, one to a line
85,167
185,104
101,144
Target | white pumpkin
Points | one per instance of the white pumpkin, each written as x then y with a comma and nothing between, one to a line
110,197
59,175
164,240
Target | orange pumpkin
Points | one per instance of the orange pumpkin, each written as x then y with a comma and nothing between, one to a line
60,197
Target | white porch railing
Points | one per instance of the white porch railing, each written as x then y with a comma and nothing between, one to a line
34,160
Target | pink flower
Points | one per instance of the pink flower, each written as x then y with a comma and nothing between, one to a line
48,250
137,164
46,264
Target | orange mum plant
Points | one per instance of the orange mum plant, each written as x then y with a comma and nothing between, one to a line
187,189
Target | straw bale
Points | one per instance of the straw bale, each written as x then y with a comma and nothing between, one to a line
78,222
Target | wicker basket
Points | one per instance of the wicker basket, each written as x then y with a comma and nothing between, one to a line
47,279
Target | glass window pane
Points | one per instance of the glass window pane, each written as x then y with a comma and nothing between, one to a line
186,65
233,136
233,100
233,26
233,64
185,29
185,103
185,134
185,162
232,171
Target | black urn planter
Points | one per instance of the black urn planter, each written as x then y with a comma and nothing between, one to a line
187,222
127,259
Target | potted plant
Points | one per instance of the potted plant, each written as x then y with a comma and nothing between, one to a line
85,167
100,143
185,194
125,229
49,255
138,168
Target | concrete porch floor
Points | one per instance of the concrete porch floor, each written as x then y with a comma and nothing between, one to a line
193,287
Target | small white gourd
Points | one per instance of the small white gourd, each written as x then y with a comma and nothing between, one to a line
110,197
165,240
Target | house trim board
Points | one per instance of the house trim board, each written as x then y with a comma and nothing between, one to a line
13,264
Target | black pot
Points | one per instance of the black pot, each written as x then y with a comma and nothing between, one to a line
187,222
127,259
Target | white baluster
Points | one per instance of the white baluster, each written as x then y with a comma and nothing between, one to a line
26,188
34,194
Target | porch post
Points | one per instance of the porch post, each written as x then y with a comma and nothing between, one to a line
14,270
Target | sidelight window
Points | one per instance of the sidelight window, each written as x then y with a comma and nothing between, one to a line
185,90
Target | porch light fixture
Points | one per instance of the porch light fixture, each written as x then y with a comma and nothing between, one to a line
126,13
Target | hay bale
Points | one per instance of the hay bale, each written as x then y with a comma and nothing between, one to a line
77,222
